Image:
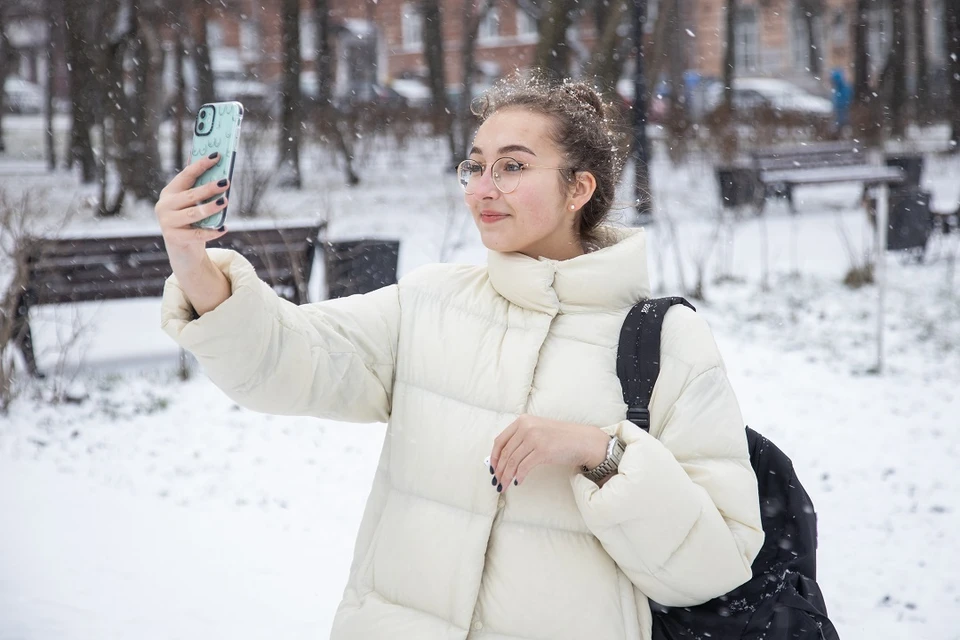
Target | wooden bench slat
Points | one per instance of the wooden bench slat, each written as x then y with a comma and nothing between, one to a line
866,173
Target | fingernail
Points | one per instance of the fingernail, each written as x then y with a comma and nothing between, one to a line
219,202
221,228
515,483
499,488
494,483
222,183
491,469
213,155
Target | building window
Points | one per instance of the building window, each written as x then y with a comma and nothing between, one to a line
526,25
411,25
746,36
308,36
490,26
214,34
250,49
800,39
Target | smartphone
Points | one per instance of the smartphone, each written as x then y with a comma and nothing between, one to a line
217,128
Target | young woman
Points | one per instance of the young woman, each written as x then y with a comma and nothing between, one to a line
580,516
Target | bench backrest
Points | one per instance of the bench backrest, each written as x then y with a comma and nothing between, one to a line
81,269
812,156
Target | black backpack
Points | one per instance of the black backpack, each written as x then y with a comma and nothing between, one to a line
782,600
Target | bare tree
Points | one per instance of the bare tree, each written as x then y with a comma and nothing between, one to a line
464,120
952,26
83,85
729,53
291,121
921,97
641,145
201,52
175,7
7,58
52,9
896,60
607,61
810,11
553,52
436,74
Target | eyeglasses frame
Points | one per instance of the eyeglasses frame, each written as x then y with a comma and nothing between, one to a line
523,165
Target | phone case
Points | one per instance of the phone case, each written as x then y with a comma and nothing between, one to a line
217,128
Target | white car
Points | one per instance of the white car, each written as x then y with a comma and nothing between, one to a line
21,96
779,95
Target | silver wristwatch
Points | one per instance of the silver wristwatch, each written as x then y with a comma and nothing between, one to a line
610,464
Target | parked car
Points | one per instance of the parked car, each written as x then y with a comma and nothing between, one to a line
751,94
21,96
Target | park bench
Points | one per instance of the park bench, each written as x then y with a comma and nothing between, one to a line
776,171
112,267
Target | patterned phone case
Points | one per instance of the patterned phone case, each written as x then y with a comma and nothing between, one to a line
217,128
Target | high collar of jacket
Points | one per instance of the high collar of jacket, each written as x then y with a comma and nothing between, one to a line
613,276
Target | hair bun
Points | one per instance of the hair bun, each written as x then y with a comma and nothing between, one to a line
586,95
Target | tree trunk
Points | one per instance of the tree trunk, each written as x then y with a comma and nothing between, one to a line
143,151
206,89
52,9
180,156
83,88
323,61
952,26
291,122
553,54
436,74
920,47
812,9
6,63
729,54
471,24
641,146
898,52
861,61
606,64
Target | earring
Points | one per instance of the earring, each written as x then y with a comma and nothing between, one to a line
572,207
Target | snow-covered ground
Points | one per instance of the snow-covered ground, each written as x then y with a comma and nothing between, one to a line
156,508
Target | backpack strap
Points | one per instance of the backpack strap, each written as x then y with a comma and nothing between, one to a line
638,355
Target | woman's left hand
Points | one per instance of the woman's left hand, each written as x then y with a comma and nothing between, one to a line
531,441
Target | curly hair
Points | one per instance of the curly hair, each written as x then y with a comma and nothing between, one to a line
586,129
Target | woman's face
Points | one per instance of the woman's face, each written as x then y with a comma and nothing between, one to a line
536,218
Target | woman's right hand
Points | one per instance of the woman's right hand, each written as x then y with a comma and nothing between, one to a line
178,208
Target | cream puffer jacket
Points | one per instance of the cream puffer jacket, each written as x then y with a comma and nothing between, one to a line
449,358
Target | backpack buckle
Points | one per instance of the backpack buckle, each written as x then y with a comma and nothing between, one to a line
640,417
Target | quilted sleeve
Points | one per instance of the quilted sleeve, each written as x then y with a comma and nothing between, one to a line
681,517
333,359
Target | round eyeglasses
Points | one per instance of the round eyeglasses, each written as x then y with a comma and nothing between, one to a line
506,173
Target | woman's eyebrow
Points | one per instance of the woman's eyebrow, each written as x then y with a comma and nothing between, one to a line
510,148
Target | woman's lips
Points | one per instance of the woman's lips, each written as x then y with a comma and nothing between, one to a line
492,216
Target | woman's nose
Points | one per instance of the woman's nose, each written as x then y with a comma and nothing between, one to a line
484,185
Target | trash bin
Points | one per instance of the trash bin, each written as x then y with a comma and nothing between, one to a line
360,266
912,166
738,186
910,221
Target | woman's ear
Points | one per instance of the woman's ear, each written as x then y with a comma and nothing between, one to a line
583,187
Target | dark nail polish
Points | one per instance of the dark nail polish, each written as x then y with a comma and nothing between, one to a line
221,228
515,483
219,202
222,183
494,483
213,155
499,488
491,469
